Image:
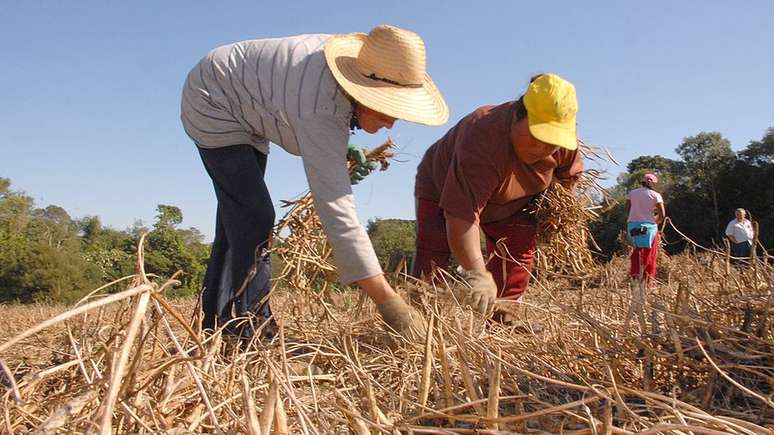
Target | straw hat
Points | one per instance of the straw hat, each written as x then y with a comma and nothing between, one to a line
385,71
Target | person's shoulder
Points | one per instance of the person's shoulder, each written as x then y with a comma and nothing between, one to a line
267,46
487,125
302,36
491,113
306,37
489,122
485,117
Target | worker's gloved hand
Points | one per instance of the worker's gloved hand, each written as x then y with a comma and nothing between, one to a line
482,292
362,166
403,318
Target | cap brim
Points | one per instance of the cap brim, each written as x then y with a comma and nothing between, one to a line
421,104
561,135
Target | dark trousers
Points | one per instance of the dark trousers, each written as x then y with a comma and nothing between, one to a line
741,250
238,278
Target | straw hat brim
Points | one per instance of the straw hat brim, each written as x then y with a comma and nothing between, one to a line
421,104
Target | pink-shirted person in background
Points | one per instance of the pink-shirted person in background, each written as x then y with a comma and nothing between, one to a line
646,210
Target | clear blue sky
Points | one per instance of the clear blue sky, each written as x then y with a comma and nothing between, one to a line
90,90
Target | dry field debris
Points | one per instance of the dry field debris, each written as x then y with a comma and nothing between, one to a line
700,362
592,355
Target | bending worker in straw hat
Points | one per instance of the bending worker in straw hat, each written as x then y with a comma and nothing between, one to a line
646,210
482,174
304,93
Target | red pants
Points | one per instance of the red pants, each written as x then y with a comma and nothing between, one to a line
646,257
519,231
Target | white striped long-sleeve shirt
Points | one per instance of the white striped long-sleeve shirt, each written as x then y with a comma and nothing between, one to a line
281,91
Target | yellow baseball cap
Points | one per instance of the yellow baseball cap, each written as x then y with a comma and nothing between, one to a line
551,107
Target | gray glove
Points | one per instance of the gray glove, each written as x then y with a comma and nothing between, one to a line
403,318
482,292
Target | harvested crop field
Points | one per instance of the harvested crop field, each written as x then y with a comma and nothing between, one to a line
696,357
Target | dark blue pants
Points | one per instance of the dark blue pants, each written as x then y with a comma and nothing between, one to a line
743,249
238,278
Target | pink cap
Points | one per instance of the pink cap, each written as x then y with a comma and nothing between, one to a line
651,178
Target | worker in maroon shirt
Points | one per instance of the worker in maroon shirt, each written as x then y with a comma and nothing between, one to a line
481,175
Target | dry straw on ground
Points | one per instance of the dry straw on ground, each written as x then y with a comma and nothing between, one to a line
700,362
695,356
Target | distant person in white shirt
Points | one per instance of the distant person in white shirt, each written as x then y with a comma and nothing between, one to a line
740,233
646,210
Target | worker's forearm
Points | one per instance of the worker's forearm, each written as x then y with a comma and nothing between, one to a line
377,288
465,243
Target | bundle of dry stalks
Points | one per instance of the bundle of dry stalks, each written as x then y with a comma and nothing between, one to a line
564,214
699,360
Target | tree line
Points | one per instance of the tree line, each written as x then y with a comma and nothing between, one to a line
47,255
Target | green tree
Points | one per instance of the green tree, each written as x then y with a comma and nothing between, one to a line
5,186
657,164
392,238
169,217
169,251
760,153
40,257
45,254
110,250
53,226
707,156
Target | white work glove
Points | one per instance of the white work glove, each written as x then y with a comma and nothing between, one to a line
482,292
